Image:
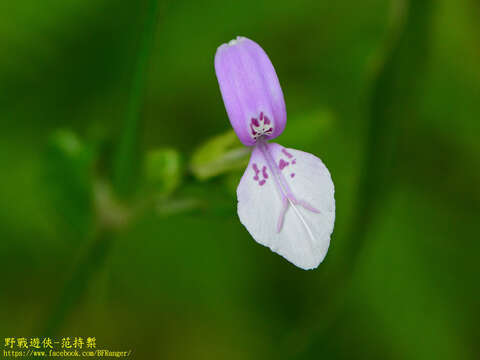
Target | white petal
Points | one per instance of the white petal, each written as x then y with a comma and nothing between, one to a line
291,214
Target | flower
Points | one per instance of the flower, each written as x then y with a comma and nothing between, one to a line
286,196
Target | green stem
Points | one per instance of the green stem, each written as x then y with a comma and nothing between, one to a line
126,161
79,282
391,105
125,164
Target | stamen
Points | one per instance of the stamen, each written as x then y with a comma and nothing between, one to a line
260,126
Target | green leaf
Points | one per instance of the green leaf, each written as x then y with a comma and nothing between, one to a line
221,154
163,170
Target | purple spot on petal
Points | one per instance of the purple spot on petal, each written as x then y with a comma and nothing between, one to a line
255,122
261,116
292,175
264,172
294,161
257,171
282,164
287,154
266,120
256,177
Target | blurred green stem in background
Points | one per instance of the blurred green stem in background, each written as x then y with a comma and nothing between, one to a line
110,215
79,281
390,106
127,158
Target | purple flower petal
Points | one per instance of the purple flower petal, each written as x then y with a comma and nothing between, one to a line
250,90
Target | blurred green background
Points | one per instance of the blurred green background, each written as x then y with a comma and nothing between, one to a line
118,212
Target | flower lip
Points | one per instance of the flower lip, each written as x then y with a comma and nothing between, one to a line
250,90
